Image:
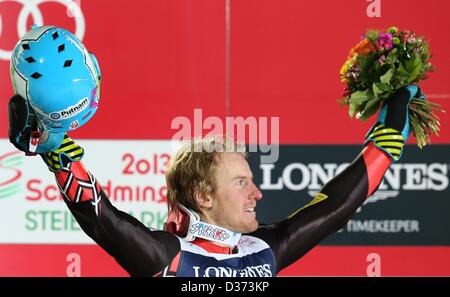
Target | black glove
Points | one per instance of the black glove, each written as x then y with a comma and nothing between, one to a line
22,124
57,149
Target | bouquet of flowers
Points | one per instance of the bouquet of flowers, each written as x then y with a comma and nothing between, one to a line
381,63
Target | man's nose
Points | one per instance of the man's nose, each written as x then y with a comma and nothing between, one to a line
256,193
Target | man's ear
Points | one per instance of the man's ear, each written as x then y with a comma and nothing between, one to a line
204,201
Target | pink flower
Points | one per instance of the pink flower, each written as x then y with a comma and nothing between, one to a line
385,41
409,37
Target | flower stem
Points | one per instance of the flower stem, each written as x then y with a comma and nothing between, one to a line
424,121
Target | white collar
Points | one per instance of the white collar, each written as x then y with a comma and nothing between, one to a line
208,231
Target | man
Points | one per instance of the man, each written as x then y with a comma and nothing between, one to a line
212,228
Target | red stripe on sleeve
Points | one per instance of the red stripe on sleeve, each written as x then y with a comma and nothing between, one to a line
377,162
175,263
74,190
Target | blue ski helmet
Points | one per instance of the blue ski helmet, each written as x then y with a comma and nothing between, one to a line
58,78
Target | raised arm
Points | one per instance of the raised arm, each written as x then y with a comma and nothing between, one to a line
140,251
339,199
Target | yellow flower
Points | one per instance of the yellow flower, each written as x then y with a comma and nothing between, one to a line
346,66
344,69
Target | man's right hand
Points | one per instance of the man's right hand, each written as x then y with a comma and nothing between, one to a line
56,148
24,132
22,122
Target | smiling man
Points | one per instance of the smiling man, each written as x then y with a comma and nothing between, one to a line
212,228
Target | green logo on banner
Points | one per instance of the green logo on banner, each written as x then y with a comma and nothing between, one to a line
10,174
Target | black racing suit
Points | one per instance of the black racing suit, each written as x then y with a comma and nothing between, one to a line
144,252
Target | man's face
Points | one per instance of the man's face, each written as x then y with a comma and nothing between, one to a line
233,204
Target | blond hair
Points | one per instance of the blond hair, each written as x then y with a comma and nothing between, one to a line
193,169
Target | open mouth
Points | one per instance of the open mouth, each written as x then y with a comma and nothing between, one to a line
250,209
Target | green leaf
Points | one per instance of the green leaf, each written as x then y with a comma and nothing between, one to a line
372,35
370,109
414,74
352,110
359,97
386,78
376,90
365,64
392,57
385,87
411,64
402,71
357,101
380,89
